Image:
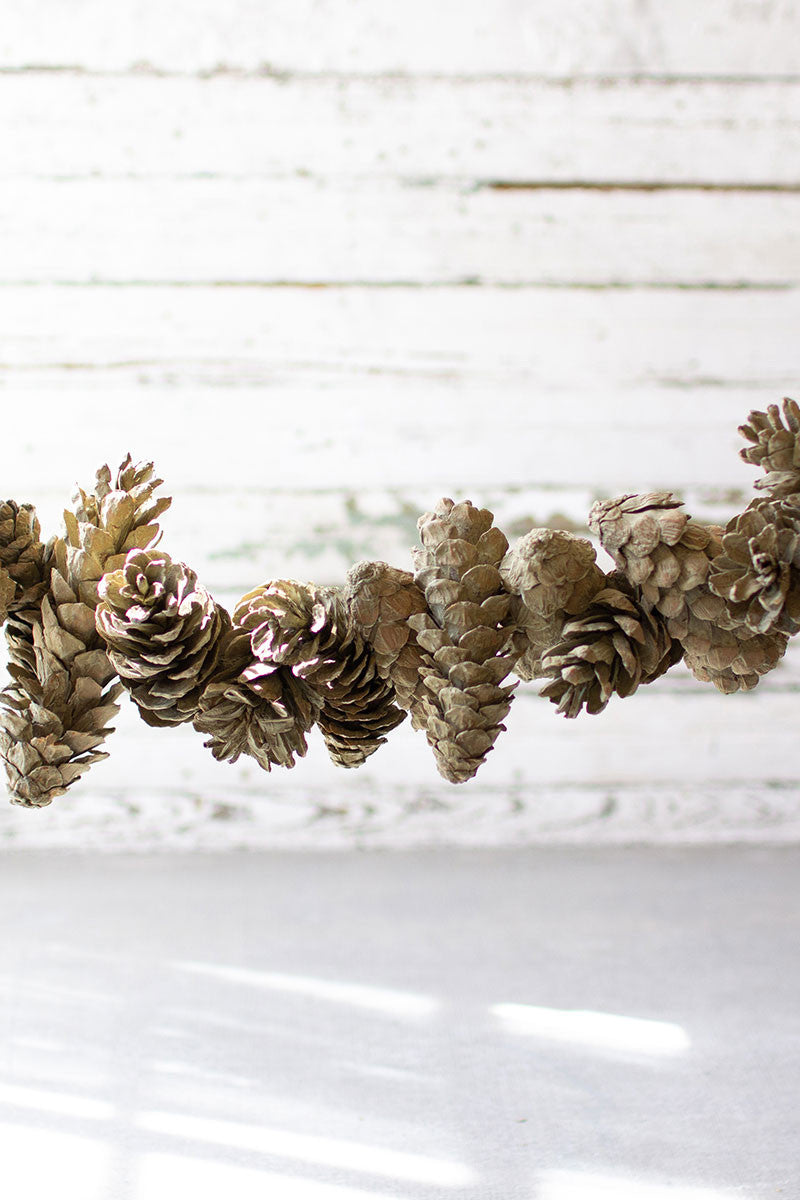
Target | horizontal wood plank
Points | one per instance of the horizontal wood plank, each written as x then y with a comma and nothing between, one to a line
624,131
300,430
301,473
570,342
719,37
380,232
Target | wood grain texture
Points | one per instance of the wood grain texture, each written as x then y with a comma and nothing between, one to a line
631,131
227,441
580,342
303,230
720,37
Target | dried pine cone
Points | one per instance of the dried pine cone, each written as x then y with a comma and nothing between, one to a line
8,590
553,575
775,447
62,690
254,708
668,557
380,600
309,630
462,704
613,647
758,571
56,716
162,632
22,557
24,579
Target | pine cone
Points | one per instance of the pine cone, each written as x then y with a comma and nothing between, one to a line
54,718
775,447
253,708
613,647
724,658
22,557
162,632
462,637
654,544
758,570
553,575
380,600
56,710
24,579
8,590
309,631
668,557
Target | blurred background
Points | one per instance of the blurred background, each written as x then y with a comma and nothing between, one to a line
325,262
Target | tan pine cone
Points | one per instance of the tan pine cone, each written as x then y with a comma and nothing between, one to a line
308,630
254,708
380,599
553,575
62,692
24,578
615,645
655,545
727,659
55,717
775,447
8,590
757,572
668,556
162,631
462,637
22,557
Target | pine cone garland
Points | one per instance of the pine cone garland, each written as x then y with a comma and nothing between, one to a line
309,631
253,708
380,600
62,689
553,575
775,447
462,636
757,572
613,647
162,632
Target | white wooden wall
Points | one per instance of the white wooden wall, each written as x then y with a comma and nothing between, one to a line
325,261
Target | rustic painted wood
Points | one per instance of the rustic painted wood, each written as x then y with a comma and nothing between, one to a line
382,232
630,131
546,341
719,37
262,452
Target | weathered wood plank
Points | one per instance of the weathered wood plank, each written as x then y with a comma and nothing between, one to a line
268,455
380,232
634,131
574,343
720,37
